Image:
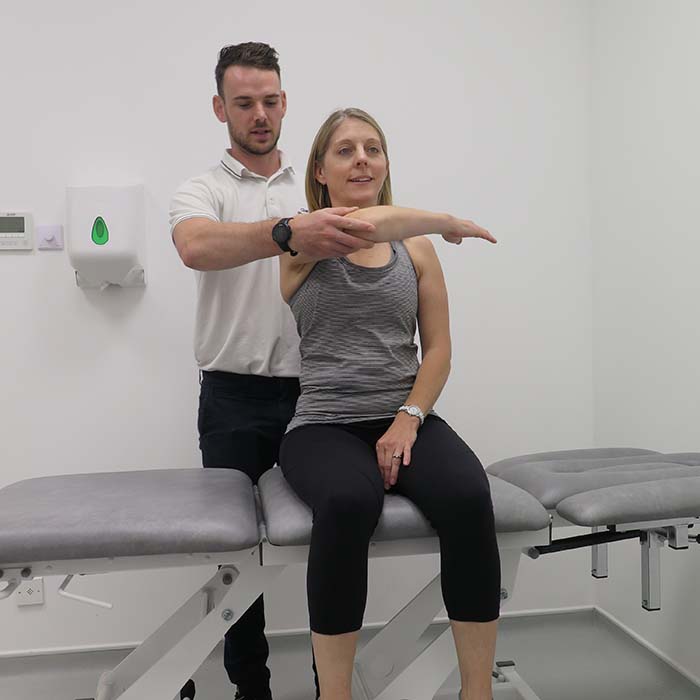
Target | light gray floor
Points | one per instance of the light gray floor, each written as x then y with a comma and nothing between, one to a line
563,657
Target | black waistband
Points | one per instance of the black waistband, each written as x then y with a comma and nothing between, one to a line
245,381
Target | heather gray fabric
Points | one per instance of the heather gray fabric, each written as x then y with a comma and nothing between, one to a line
288,518
357,326
130,513
608,486
653,500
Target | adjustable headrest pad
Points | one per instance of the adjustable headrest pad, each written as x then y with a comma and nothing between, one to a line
128,513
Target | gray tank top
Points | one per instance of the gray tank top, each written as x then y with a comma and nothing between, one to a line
357,327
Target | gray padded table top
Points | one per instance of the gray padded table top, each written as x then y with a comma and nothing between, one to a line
288,519
633,503
608,486
130,513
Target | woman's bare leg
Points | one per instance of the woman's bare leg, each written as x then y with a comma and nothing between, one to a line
476,650
335,654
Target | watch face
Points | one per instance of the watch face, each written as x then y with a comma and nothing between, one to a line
281,233
413,410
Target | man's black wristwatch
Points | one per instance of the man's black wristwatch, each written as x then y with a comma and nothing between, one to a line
281,233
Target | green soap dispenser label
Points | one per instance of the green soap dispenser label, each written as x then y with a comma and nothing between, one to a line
100,234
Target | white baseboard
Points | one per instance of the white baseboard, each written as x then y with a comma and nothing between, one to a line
85,649
292,632
648,646
378,625
301,631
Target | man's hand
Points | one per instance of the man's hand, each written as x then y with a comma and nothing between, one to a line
394,447
459,229
326,233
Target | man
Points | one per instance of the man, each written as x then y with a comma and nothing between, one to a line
229,225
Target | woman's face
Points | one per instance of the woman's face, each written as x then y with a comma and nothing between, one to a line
355,166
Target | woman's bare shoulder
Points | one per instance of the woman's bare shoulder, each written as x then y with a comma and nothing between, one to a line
421,244
421,250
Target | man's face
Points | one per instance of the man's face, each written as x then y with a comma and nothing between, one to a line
252,107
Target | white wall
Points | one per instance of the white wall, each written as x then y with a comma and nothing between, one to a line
486,107
646,285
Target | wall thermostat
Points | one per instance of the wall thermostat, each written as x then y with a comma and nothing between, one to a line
16,231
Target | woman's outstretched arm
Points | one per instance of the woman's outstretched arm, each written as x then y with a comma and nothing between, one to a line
390,224
398,223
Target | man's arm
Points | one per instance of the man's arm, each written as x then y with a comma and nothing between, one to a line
204,244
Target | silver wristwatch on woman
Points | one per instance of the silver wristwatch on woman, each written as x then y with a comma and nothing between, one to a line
413,411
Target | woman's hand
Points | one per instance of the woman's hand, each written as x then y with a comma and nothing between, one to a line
394,447
457,229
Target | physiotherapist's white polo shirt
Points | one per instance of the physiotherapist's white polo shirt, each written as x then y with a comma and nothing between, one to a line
242,323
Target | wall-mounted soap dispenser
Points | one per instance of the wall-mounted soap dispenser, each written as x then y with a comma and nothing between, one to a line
106,235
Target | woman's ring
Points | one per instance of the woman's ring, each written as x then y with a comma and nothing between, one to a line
396,456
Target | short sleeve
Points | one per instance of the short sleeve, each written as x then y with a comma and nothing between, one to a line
193,199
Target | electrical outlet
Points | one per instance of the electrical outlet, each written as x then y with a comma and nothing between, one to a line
31,592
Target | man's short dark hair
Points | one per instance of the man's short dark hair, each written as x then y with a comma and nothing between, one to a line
252,54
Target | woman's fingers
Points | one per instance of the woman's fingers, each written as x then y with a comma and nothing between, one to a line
384,462
395,465
390,458
477,232
467,229
387,468
487,236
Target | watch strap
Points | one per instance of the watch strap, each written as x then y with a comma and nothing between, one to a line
283,239
414,411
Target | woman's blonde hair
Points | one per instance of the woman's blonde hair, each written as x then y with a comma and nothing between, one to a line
317,196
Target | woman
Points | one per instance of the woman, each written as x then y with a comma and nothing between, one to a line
364,422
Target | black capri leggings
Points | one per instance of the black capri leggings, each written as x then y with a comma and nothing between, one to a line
333,468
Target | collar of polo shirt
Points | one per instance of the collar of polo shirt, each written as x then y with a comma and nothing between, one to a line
237,168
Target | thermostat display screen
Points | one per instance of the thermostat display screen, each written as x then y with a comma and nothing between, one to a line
11,224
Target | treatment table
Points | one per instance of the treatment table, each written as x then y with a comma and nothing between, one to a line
156,519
